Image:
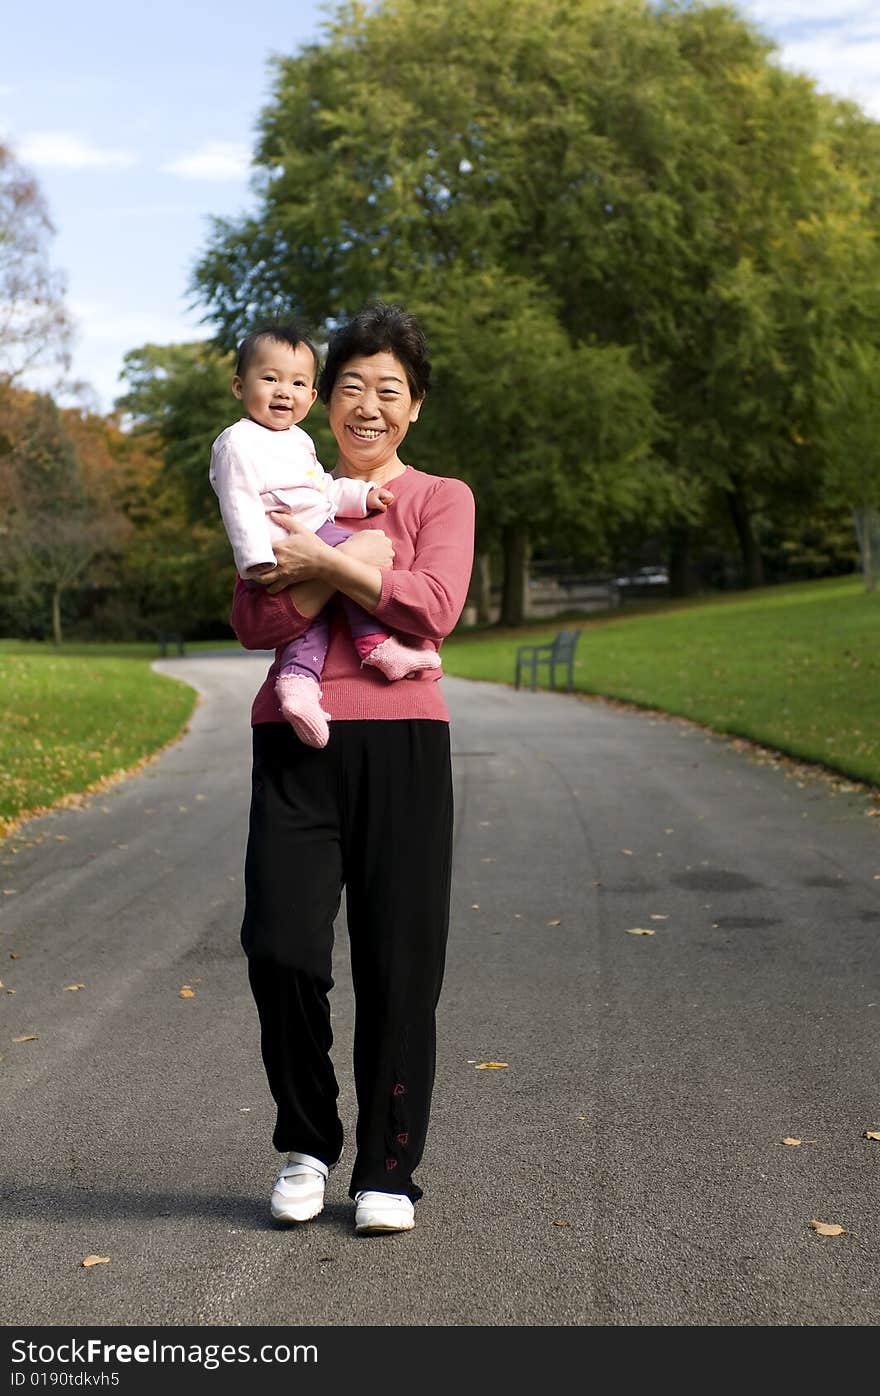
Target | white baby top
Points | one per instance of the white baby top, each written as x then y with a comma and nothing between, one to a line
254,470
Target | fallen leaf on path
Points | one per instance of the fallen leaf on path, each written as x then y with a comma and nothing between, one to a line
187,993
61,838
793,1142
72,988
827,1228
13,956
627,851
562,1223
27,1037
641,931
9,891
553,923
655,916
475,906
91,1260
489,1066
871,1134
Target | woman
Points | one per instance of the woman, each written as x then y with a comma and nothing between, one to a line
371,811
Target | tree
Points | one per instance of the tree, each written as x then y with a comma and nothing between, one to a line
554,438
179,563
849,413
179,395
657,180
35,328
54,531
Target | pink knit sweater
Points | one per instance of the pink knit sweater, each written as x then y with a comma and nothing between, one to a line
431,524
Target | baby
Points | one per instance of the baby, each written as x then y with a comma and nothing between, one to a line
265,462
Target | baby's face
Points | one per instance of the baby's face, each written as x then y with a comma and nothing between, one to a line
278,386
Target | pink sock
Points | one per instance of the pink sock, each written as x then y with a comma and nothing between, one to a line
300,700
397,661
365,644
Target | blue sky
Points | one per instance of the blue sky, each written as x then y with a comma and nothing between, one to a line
138,122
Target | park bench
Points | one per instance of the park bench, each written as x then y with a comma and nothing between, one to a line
558,653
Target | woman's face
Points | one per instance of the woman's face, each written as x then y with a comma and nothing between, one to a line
370,410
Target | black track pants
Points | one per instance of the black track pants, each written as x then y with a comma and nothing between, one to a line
371,811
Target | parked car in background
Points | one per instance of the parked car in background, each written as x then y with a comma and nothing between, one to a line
643,579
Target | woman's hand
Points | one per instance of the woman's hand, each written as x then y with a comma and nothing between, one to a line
297,557
370,546
303,557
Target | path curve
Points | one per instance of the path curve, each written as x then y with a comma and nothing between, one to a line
625,1168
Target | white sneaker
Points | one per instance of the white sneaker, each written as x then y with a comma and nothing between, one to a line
298,1194
383,1211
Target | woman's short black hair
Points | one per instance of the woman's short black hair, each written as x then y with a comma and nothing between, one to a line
288,333
379,328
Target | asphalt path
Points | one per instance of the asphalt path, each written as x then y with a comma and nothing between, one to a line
626,1167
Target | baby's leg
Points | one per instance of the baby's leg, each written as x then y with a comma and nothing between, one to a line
376,647
385,652
297,686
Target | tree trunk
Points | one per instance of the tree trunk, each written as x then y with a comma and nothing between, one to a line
515,545
56,615
752,562
867,523
681,575
481,587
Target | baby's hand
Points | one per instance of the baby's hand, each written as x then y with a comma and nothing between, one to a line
379,498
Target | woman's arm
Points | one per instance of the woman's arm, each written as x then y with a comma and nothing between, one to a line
353,567
289,597
263,622
425,597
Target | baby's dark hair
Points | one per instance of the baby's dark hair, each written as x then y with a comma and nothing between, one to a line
288,333
379,327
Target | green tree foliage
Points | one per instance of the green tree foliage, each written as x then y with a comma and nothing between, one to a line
646,173
179,396
849,417
555,438
179,564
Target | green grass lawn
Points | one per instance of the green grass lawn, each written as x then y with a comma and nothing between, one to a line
72,718
795,668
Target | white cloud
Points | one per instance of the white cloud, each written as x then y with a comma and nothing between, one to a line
835,42
783,14
847,69
105,334
219,160
59,150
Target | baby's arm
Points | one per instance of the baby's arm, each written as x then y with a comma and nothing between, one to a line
379,498
244,516
350,496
